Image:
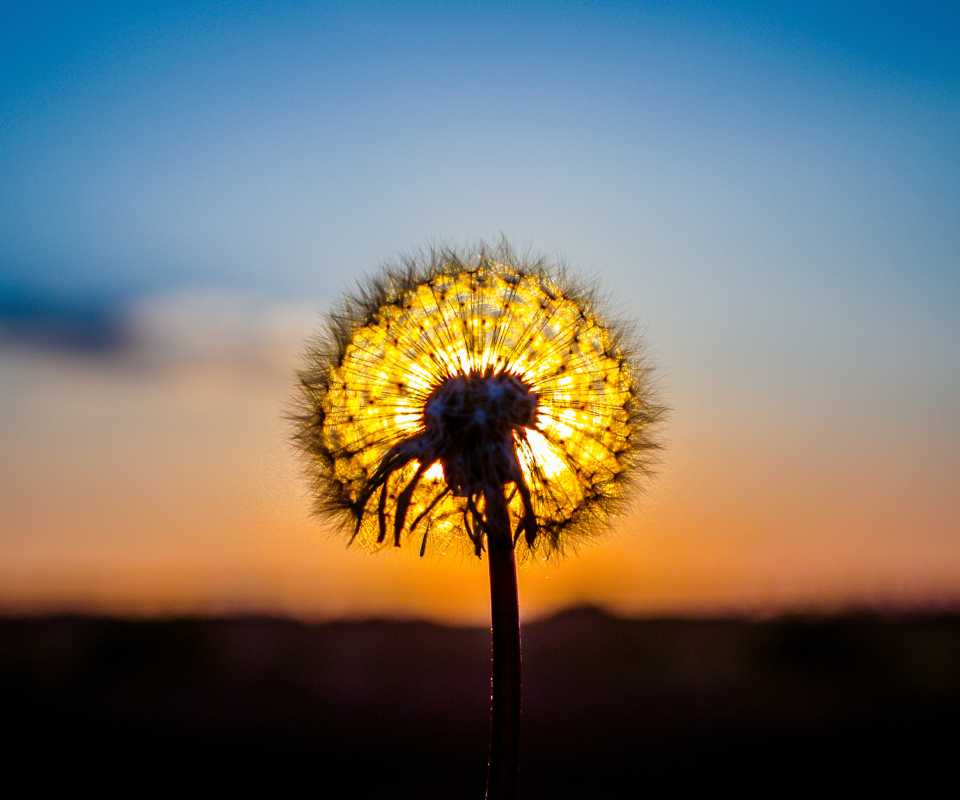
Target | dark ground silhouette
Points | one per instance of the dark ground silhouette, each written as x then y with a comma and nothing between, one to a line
612,707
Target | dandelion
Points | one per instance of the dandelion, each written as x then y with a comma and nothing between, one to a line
476,402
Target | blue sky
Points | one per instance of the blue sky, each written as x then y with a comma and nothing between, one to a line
274,144
771,190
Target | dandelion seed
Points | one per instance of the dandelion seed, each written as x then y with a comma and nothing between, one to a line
458,371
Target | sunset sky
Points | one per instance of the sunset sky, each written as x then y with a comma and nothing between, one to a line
772,193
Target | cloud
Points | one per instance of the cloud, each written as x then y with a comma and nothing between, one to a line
214,329
184,332
201,342
76,326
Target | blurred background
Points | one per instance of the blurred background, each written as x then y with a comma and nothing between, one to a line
772,191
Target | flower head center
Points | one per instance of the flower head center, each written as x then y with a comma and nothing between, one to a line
472,420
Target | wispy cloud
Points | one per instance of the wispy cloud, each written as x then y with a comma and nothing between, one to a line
93,328
199,329
217,329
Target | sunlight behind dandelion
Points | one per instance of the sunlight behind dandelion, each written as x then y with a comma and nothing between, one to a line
486,315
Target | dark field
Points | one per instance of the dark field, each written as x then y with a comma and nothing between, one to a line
612,707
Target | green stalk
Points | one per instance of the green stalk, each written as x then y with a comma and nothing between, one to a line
504,769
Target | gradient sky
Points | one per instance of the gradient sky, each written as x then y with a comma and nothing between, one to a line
773,193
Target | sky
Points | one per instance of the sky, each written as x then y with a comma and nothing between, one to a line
770,191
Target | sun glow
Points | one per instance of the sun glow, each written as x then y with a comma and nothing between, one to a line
487,318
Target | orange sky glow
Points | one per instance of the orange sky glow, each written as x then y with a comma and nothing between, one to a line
170,486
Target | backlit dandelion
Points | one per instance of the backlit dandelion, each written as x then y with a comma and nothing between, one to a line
479,402
457,372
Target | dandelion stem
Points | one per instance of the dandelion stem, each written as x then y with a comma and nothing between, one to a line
504,768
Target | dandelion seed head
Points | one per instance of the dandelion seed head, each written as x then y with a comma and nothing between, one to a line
458,370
